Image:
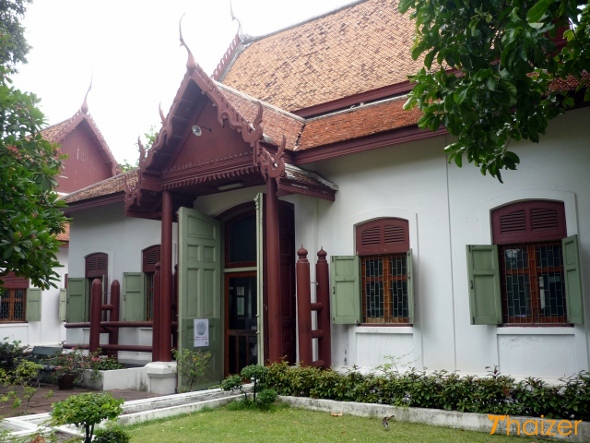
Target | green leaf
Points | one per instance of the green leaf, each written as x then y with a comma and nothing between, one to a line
536,13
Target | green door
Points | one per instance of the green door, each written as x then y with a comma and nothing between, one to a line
199,288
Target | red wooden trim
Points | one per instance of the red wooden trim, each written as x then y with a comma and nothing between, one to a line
364,97
520,222
11,281
354,146
94,203
383,236
150,257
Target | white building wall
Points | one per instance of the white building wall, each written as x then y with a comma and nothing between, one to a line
50,330
448,208
106,229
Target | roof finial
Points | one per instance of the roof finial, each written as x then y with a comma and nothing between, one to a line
233,15
84,107
191,65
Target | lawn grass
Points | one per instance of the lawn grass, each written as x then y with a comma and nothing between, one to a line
290,425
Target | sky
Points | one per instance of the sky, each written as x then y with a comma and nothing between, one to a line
129,50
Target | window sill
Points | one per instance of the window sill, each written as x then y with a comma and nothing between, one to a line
384,329
535,330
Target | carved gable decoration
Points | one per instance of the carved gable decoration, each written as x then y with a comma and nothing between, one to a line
207,148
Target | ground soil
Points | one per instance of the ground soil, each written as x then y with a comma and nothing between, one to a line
48,394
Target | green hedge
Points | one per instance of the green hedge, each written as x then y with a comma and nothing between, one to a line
492,394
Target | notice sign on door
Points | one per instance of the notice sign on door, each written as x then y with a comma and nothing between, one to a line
201,332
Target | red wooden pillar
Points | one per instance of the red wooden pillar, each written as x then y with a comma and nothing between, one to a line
322,276
273,274
95,313
304,309
166,279
156,316
115,310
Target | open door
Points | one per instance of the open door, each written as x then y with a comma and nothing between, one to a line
199,292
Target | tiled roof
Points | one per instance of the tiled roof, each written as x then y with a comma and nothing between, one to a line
275,122
106,187
52,133
357,122
359,48
64,236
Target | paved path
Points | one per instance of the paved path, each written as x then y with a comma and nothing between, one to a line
49,394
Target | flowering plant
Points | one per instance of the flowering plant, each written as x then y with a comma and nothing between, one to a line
70,363
75,362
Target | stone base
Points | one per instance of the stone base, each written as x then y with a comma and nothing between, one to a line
162,377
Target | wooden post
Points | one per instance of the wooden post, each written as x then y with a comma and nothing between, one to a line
166,279
304,308
273,274
322,276
95,313
115,312
156,316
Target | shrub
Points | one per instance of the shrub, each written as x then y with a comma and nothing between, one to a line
26,374
111,435
262,397
492,394
11,353
191,365
86,410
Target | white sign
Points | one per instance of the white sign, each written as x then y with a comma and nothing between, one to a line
201,332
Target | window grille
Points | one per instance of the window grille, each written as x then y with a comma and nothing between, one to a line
384,289
12,306
532,280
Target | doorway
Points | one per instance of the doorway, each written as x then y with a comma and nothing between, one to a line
242,322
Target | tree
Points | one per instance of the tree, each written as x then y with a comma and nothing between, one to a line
30,212
493,71
13,46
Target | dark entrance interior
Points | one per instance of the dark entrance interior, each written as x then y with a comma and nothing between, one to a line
242,321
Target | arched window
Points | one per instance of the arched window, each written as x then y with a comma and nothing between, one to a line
528,235
382,247
531,272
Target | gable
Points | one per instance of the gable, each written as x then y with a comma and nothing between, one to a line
85,163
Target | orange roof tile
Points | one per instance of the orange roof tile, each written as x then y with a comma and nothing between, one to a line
358,48
275,122
109,186
357,122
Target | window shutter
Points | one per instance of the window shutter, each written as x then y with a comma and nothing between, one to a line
33,305
573,280
133,296
77,300
383,236
484,285
410,284
62,304
346,294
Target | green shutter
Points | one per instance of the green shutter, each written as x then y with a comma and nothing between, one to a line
573,280
77,300
199,288
410,284
133,296
484,285
346,294
33,312
63,298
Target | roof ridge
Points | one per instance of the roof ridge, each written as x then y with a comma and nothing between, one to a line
257,100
